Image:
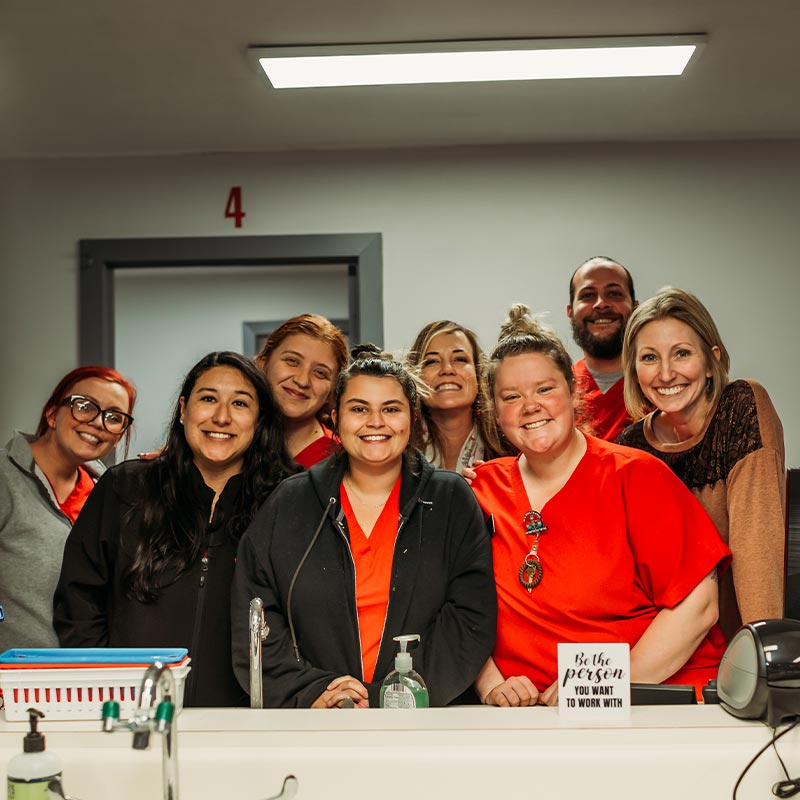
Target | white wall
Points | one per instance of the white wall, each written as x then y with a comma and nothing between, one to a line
190,312
465,231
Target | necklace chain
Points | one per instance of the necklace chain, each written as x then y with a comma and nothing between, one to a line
351,490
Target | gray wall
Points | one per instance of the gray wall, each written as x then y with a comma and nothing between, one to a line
465,231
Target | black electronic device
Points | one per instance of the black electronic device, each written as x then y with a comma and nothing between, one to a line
759,675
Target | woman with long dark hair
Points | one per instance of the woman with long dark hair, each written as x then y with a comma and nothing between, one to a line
150,561
45,479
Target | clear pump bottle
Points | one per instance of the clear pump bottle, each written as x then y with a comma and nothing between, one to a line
30,772
404,688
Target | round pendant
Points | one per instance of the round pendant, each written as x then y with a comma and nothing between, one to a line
530,575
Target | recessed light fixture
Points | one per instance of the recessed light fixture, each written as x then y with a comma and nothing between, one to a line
460,62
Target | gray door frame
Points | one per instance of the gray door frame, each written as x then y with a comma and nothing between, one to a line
100,258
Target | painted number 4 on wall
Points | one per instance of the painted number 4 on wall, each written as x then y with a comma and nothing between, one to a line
233,208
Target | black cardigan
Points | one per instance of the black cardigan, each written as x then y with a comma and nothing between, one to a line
442,586
192,610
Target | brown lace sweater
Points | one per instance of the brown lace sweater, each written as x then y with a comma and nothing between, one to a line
735,467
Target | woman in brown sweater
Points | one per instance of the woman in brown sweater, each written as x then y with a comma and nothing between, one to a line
723,439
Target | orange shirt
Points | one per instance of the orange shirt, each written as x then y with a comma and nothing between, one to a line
372,557
77,497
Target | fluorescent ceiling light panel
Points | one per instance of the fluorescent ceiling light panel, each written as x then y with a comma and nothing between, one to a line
460,62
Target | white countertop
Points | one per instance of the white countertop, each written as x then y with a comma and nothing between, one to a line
661,751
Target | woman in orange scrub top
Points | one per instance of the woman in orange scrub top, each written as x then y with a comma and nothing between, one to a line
593,542
365,546
302,358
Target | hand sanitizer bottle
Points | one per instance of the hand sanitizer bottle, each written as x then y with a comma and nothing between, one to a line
404,688
30,772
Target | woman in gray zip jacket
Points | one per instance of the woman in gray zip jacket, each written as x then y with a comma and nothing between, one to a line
369,544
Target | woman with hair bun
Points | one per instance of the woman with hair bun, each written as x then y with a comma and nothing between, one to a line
302,358
150,561
456,432
593,542
45,479
722,439
367,545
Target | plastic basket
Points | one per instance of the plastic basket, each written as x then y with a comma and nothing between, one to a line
69,691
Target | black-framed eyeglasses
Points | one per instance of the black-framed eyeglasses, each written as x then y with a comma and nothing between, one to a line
83,409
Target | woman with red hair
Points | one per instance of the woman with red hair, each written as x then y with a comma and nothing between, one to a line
302,358
45,479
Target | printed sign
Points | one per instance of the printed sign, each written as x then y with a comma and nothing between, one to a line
594,681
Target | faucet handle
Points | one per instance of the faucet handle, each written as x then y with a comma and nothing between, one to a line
164,715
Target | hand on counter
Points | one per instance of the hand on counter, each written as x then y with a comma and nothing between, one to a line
549,697
340,688
495,690
515,691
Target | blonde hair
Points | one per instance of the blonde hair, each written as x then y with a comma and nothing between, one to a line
671,303
482,405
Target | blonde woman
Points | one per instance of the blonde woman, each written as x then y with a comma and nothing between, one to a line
722,439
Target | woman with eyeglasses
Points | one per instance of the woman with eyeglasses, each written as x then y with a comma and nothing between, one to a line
150,561
593,542
45,479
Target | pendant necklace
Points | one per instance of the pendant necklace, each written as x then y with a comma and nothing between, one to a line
532,571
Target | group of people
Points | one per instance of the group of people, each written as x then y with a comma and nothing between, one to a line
479,501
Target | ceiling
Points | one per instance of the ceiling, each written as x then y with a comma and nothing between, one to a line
93,77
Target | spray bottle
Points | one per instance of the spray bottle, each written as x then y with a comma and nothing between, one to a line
404,688
31,771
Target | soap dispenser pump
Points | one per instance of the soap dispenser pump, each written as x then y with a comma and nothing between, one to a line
404,688
31,771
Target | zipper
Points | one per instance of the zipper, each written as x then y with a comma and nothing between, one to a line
203,569
198,618
343,534
400,527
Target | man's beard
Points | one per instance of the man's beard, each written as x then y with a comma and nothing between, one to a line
606,348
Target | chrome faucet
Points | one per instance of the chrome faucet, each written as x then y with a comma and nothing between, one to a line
143,722
259,630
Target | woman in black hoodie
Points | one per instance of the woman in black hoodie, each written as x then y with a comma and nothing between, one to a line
367,545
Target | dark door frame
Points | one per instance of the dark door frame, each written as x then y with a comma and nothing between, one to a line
99,258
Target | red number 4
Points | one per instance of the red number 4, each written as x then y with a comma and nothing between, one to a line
233,209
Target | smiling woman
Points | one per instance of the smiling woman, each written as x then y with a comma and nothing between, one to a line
456,432
302,359
149,562
45,480
593,542
365,546
723,439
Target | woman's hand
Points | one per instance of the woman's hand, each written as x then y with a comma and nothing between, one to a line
468,473
549,697
495,690
515,691
340,688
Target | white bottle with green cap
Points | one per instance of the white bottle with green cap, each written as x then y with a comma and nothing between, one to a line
404,688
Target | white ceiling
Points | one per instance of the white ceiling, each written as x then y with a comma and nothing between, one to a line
99,77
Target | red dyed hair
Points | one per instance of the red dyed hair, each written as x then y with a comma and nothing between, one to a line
64,388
